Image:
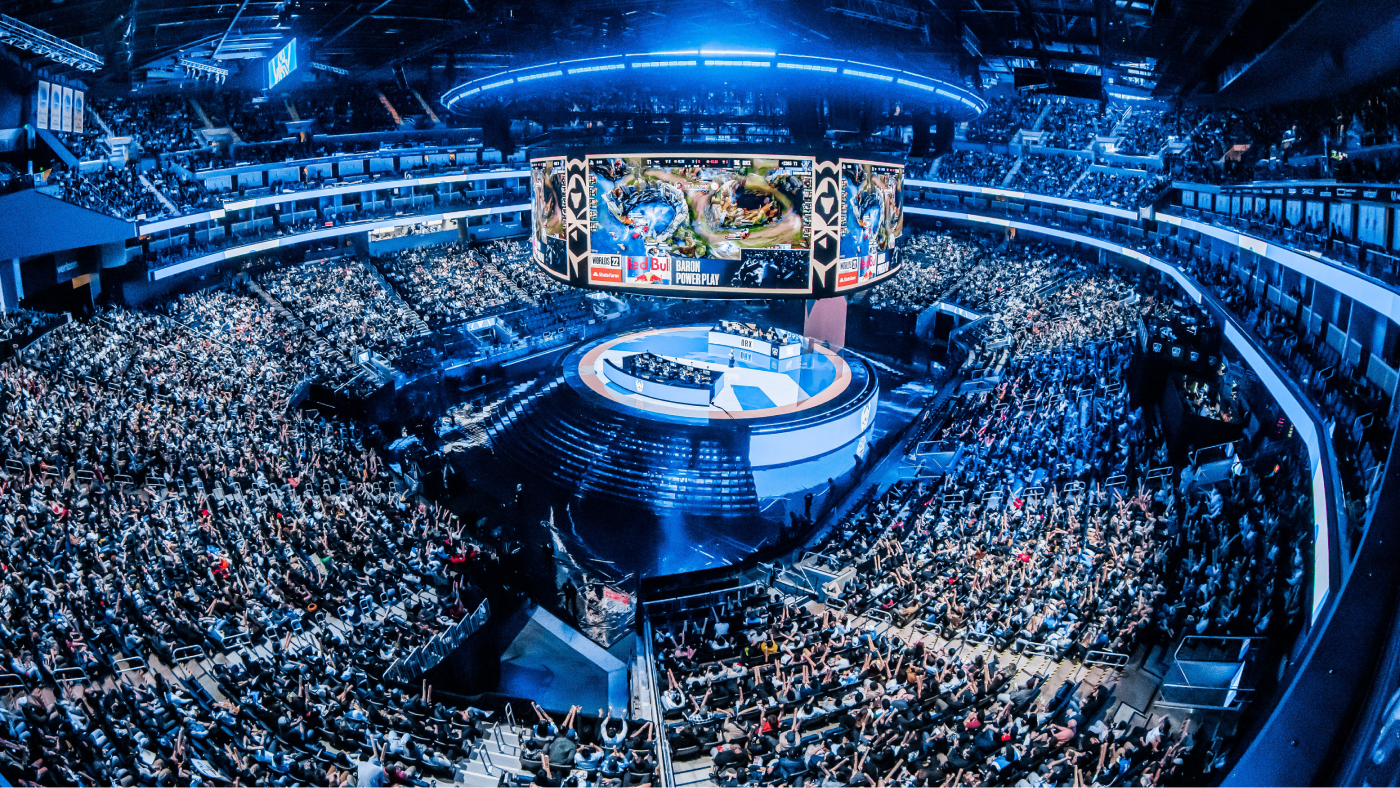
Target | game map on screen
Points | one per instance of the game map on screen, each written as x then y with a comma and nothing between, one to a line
701,222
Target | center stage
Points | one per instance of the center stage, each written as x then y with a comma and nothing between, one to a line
754,386
764,430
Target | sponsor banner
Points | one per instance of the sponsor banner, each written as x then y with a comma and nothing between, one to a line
605,269
653,269
847,273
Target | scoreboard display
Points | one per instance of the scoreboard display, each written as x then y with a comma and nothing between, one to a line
713,225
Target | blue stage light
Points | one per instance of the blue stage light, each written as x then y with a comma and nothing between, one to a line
805,67
881,77
590,69
749,52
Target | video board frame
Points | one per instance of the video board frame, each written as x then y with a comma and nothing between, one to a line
549,250
769,194
872,222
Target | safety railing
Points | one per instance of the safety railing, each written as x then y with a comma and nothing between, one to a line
70,675
666,772
1112,659
125,665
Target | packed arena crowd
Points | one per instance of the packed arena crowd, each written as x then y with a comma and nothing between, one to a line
157,125
972,270
346,302
448,284
117,191
455,283
1352,401
229,517
1045,542
163,505
1048,174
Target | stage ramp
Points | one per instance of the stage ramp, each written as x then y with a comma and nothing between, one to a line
553,664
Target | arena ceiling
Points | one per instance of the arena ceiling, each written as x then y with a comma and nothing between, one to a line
1143,47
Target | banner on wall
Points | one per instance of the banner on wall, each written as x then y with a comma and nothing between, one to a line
55,108
67,117
78,112
41,106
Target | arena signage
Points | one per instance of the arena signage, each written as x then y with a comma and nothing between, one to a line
282,64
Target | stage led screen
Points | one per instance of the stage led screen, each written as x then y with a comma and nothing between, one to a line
872,219
548,238
701,222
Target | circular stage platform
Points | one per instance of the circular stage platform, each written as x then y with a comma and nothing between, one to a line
723,430
755,387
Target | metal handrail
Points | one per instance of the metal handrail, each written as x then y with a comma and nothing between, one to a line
1112,659
1197,453
128,665
70,675
665,768
186,653
486,762
496,729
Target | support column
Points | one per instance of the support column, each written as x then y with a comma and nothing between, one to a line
826,320
11,286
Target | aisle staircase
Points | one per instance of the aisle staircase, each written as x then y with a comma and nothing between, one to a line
159,195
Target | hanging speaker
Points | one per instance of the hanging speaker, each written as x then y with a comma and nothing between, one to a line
919,141
941,138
